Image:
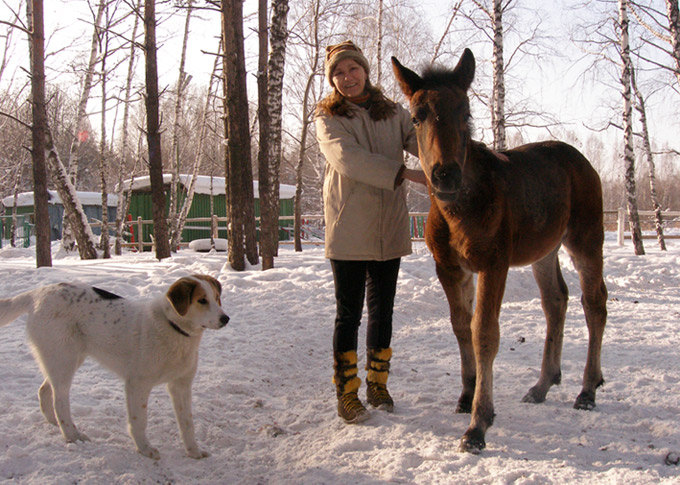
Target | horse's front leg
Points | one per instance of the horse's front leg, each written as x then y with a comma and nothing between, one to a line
459,288
485,337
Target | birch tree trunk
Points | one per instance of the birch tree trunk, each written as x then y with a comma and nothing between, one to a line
153,134
674,26
498,105
270,94
264,174
238,171
77,219
43,252
182,83
640,106
379,40
629,154
306,121
104,238
123,201
67,237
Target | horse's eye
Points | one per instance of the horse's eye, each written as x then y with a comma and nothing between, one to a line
419,116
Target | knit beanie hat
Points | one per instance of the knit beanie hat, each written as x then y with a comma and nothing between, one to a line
345,50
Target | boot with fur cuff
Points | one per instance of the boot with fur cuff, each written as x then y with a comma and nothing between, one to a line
378,367
350,408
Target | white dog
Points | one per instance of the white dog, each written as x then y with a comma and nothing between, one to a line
145,342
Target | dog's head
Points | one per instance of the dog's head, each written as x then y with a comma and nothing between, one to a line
196,300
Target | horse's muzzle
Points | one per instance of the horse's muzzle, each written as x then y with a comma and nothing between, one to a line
446,181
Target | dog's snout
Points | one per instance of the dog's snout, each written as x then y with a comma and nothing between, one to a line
224,319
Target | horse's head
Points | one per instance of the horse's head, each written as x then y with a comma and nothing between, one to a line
441,112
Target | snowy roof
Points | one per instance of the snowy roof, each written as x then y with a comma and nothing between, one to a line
203,185
86,198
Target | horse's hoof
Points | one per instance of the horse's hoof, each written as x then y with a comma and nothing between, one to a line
585,401
472,442
533,397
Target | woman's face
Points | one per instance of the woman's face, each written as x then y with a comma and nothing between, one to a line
349,78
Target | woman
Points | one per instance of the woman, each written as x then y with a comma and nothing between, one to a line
363,136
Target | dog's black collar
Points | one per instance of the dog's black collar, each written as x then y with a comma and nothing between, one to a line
179,330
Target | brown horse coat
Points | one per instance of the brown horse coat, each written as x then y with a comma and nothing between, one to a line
490,211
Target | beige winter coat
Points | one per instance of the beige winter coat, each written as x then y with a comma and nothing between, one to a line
366,215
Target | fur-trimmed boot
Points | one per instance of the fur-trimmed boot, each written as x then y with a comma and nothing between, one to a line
350,408
378,367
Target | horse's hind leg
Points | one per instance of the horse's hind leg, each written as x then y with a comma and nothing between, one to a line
588,263
554,297
459,289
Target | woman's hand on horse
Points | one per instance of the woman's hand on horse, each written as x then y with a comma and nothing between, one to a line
417,176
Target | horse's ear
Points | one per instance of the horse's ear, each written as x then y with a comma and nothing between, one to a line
464,72
409,81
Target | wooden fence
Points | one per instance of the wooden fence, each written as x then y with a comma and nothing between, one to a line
618,221
312,230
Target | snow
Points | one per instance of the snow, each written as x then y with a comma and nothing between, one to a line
86,198
203,185
264,404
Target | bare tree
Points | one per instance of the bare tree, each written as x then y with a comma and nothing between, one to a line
43,252
307,110
239,177
200,154
629,154
270,92
640,106
153,134
495,16
123,201
182,82
80,135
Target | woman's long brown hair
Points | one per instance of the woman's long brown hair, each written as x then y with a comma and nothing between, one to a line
380,108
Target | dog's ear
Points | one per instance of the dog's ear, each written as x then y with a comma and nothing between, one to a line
179,294
213,282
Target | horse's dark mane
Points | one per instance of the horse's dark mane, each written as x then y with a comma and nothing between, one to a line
435,76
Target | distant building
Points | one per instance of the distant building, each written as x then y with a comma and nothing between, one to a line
141,205
91,201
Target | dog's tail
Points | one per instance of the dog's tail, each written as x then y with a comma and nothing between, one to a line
13,308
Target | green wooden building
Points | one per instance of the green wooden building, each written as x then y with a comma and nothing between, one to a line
206,187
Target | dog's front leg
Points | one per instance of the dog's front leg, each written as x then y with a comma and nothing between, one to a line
137,397
180,393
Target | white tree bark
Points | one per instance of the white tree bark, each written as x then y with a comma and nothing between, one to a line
123,202
674,26
498,106
629,154
640,106
67,237
182,83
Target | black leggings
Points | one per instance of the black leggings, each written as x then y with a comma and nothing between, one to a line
377,280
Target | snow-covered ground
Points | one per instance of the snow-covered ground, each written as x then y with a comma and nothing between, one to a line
264,404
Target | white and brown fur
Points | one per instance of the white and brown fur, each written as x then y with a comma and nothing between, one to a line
145,342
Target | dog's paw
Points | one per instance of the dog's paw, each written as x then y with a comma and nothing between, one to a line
150,452
197,454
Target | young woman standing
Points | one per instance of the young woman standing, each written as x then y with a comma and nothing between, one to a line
363,135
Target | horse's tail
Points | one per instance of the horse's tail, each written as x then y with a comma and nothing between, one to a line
12,308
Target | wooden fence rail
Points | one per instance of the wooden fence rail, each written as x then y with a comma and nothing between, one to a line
614,220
